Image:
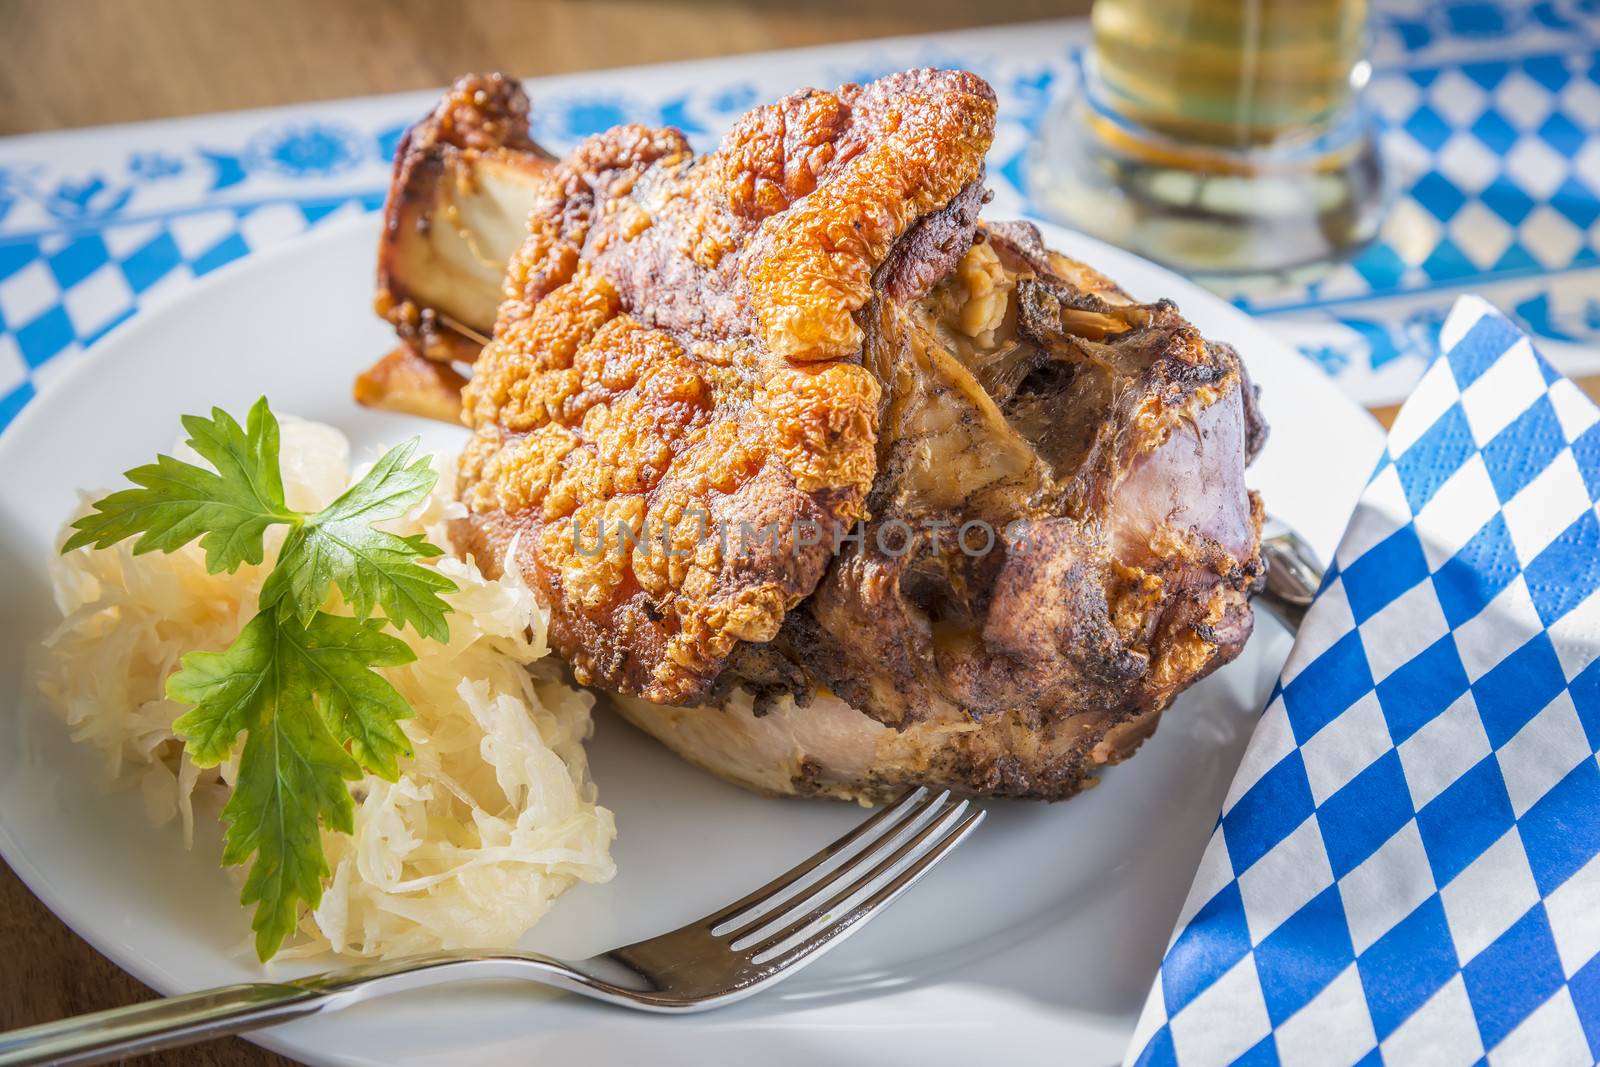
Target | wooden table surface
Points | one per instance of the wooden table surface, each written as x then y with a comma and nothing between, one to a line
89,62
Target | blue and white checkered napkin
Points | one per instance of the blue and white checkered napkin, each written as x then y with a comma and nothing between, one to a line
1407,868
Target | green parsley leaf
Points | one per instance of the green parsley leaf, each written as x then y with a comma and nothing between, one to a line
291,775
302,694
229,509
299,683
333,659
229,690
339,545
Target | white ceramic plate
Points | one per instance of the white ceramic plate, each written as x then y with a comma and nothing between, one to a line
1035,942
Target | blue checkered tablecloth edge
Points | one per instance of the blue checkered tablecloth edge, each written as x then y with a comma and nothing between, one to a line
1490,113
1407,867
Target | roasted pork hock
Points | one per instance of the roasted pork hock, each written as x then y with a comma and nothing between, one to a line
834,487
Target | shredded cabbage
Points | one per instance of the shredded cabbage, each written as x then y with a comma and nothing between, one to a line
492,820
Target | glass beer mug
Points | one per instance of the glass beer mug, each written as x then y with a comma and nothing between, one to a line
1218,136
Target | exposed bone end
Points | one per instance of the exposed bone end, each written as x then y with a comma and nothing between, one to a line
408,382
465,180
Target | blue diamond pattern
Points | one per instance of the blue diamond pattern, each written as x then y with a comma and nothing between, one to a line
1524,449
1507,200
1420,689
1560,831
1567,571
1585,693
1436,193
1518,688
1549,71
1495,132
1463,821
1215,939
220,254
1473,577
1365,813
1381,266
1406,966
79,259
1447,262
1475,353
1428,128
1298,959
1562,134
1577,202
13,402
45,336
1487,75
1269,812
15,255
1429,463
1511,977
1585,987
151,262
1332,683
1384,572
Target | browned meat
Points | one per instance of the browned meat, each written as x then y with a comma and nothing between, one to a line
808,328
679,348
408,382
1102,444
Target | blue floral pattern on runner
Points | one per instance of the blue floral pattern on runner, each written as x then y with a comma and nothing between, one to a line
313,150
1490,112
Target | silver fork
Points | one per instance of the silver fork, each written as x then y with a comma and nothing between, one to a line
730,954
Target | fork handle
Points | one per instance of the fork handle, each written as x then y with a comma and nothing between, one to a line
159,1024
235,1009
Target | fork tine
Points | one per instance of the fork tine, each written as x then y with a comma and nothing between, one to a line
868,855
912,802
936,827
857,916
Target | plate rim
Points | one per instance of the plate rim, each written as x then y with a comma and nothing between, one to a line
150,319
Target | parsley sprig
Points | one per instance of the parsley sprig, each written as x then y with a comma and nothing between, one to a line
299,682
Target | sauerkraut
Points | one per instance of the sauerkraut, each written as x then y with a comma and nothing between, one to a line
493,818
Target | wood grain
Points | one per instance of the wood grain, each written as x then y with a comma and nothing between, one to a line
89,62
49,972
